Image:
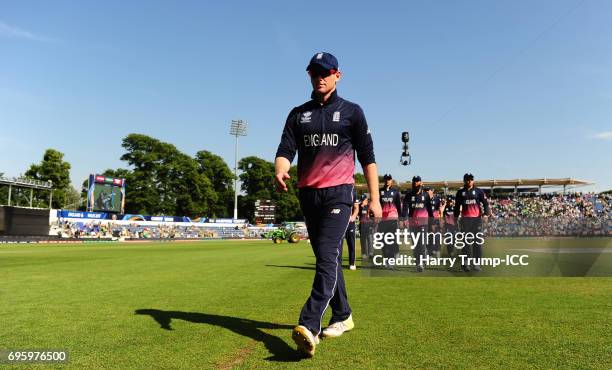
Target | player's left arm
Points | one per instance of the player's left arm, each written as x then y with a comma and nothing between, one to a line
405,205
356,203
397,200
355,212
458,201
485,204
363,145
370,172
428,205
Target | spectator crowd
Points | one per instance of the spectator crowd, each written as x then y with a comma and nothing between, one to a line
134,230
573,214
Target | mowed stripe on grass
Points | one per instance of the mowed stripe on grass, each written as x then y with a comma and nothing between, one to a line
225,304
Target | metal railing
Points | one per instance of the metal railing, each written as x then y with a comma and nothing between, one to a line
25,182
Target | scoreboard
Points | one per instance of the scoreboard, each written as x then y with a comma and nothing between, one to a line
265,211
106,194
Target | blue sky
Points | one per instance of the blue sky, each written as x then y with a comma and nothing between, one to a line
503,89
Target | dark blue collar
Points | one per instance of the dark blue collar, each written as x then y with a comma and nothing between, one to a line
332,98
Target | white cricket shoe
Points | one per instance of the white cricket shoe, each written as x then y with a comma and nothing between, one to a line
305,340
352,267
338,328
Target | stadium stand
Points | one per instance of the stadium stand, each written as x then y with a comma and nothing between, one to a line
92,225
549,214
144,230
573,214
522,215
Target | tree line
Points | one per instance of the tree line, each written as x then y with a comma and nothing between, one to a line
160,179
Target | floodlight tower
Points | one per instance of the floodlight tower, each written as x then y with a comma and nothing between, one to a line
237,128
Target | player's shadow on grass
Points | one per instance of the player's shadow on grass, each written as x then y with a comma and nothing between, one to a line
279,349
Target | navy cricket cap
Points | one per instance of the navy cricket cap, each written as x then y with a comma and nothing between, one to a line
416,178
324,60
387,176
468,176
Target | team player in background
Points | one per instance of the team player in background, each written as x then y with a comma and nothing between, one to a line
450,224
417,208
365,228
390,199
467,205
326,132
433,248
350,232
391,204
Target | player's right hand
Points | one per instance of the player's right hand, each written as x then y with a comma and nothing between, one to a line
280,181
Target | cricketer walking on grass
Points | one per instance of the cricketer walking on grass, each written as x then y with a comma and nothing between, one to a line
326,132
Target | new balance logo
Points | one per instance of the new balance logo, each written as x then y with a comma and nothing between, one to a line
336,117
335,211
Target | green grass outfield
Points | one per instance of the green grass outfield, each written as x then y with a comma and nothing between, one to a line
233,304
